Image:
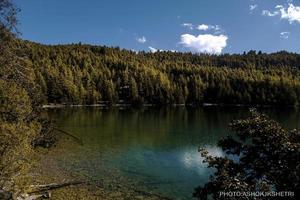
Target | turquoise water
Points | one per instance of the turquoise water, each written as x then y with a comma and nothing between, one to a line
150,149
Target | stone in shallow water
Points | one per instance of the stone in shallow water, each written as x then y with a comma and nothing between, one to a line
4,195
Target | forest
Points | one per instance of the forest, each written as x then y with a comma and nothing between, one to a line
85,74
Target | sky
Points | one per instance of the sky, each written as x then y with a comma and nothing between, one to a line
199,26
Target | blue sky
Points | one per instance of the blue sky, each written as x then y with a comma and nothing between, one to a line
211,26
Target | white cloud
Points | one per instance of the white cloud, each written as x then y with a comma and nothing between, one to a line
152,50
217,28
141,40
290,13
207,43
188,25
285,35
203,27
253,7
269,13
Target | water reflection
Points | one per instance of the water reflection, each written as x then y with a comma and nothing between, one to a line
192,160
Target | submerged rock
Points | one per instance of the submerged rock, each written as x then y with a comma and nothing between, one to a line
4,195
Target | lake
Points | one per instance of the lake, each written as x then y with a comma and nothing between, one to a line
150,149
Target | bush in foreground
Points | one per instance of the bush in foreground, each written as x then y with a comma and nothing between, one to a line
261,157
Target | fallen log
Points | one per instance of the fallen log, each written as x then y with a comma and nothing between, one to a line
78,140
52,186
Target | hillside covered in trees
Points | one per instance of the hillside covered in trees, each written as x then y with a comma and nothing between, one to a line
85,74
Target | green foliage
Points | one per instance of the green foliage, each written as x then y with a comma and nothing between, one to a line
262,157
16,104
19,100
84,74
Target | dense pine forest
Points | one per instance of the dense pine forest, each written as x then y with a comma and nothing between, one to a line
85,74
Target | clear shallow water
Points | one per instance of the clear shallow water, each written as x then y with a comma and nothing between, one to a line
152,149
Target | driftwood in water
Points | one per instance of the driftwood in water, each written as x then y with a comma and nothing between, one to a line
70,135
51,186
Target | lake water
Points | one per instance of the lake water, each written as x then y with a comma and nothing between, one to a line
150,149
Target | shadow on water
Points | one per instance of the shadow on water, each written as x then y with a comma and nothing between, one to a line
155,149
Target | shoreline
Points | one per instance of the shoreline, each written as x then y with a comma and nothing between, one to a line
62,105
